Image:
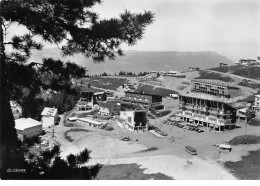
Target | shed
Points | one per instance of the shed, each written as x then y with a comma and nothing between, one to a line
49,116
27,127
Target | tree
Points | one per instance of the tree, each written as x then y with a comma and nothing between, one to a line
74,28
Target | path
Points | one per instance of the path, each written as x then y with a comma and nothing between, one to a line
234,76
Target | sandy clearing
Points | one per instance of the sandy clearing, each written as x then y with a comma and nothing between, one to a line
177,167
102,145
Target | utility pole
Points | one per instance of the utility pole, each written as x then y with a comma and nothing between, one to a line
53,131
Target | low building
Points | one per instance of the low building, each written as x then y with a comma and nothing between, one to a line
133,120
241,115
257,100
147,101
16,109
162,73
153,74
257,103
49,117
27,127
87,100
109,107
172,73
180,75
129,87
194,68
91,122
174,96
246,62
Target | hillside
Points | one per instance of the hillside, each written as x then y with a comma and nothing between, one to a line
139,61
244,71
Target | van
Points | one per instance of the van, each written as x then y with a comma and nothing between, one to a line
190,150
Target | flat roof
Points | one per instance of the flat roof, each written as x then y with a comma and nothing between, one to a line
207,97
90,120
25,123
215,82
134,111
98,93
47,111
142,94
172,72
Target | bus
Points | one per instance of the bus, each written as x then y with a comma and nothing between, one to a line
190,150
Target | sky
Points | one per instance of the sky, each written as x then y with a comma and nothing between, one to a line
228,27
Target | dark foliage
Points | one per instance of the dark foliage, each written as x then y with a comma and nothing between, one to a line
155,90
62,101
246,169
245,139
73,130
78,29
215,76
254,122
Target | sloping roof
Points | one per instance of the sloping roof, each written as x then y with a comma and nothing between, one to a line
257,95
24,123
47,111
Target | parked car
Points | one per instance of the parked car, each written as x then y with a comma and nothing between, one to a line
125,139
200,130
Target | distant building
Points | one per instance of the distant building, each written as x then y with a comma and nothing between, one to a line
153,74
49,117
133,120
86,101
145,101
109,107
194,68
209,105
91,122
163,73
241,115
257,103
16,109
246,62
174,96
222,64
215,88
172,73
27,127
129,87
180,75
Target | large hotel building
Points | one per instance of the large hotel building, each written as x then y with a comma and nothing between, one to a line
209,104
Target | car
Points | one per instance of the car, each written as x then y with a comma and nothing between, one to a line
125,139
200,130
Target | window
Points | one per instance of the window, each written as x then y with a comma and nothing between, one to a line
129,119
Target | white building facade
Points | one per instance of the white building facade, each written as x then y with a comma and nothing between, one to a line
27,127
49,117
133,120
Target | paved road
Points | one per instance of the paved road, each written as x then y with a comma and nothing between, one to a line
234,76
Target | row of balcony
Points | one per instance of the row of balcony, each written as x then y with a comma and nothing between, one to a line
208,119
205,109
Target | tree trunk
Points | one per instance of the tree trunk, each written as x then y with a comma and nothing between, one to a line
10,156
